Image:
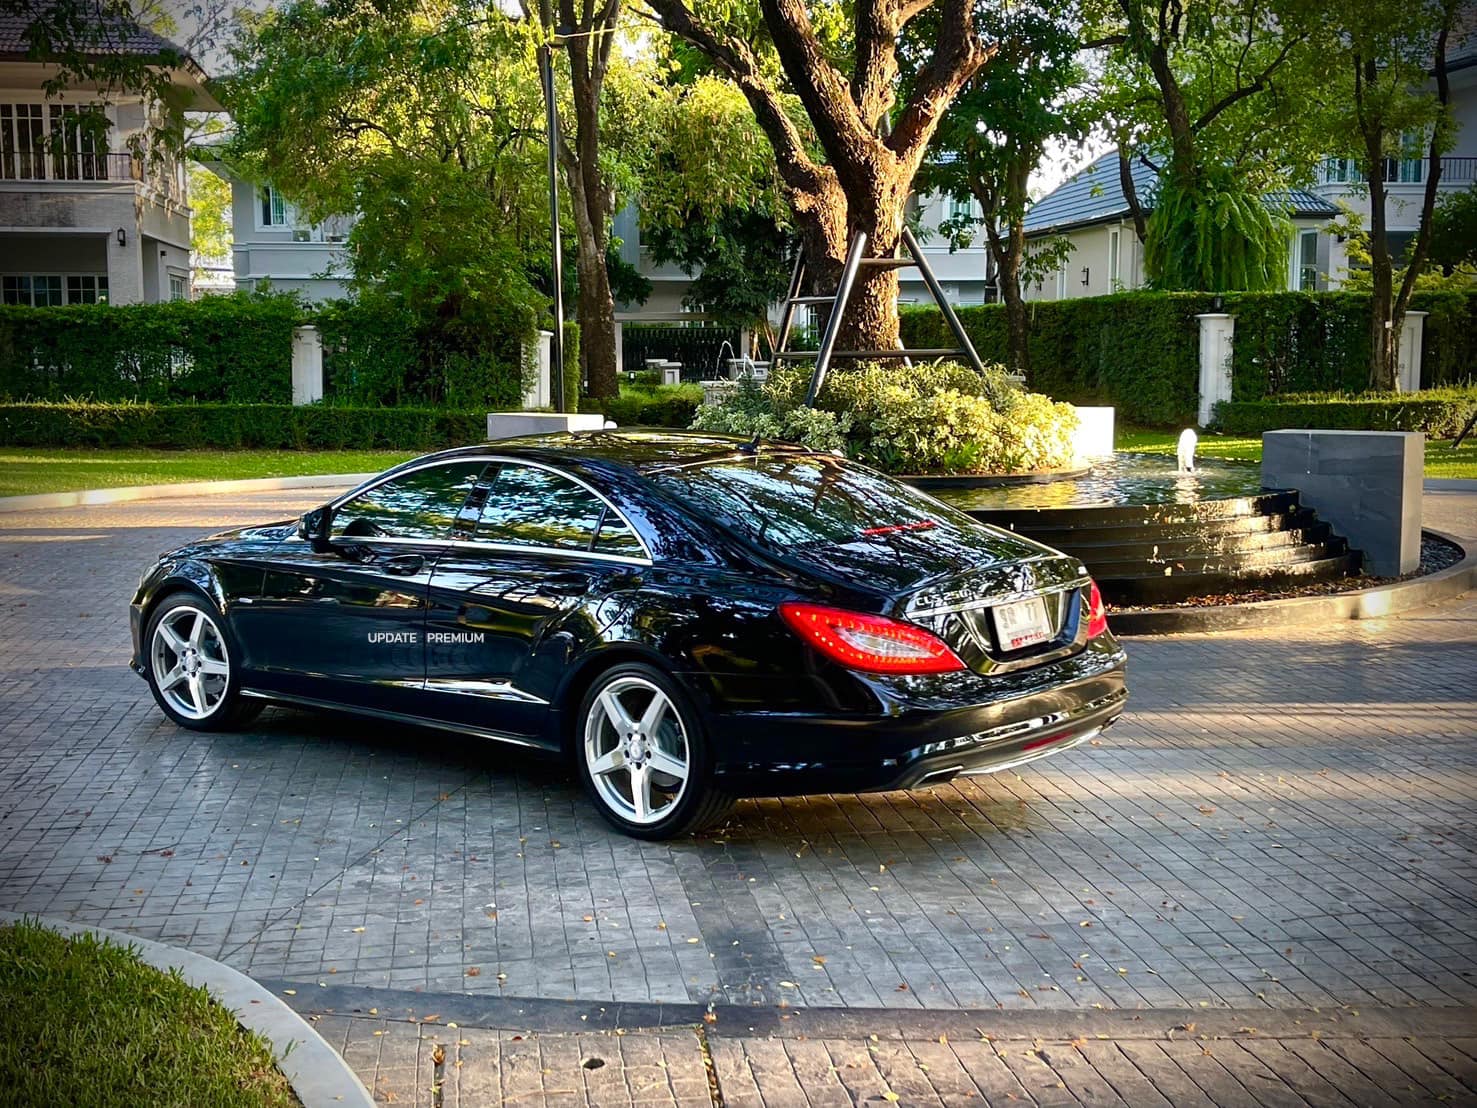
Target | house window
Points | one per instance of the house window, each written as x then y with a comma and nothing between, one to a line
1307,261
1114,236
22,142
87,288
50,290
40,142
960,208
1061,283
178,290
274,210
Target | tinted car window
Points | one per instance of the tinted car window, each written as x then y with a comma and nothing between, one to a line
418,505
535,507
789,501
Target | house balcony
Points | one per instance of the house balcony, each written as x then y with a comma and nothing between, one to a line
44,171
1341,173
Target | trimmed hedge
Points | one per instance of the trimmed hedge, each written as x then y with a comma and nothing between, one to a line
651,406
238,426
220,349
1439,413
1140,351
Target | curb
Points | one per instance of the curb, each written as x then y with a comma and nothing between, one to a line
540,1016
1371,603
184,488
317,1073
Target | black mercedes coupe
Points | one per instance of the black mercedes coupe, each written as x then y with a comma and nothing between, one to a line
688,618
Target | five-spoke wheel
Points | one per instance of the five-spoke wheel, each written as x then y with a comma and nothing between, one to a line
190,665
644,755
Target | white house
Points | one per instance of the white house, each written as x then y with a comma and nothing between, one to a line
274,247
1090,211
1339,179
85,220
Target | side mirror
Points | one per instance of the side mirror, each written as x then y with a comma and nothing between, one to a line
313,528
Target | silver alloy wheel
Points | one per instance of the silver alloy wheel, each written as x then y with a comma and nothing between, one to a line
189,661
636,750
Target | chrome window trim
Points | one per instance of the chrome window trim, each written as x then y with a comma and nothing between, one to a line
474,544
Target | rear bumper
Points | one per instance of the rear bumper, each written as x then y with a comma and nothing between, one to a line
789,755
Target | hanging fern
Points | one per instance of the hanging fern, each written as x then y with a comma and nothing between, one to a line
1215,236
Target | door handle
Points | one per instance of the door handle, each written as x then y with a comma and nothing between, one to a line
402,565
563,584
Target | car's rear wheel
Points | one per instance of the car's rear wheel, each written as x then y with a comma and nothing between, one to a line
191,671
644,757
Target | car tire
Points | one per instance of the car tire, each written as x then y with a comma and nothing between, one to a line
192,665
643,755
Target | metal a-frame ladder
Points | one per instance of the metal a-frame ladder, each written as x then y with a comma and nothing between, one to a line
856,260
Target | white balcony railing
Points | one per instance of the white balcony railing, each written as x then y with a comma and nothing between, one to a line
42,165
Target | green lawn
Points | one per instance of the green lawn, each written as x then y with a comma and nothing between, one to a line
1441,459
55,469
85,1022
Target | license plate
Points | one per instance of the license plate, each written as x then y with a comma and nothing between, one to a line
1022,624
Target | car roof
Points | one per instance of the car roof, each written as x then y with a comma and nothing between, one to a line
643,450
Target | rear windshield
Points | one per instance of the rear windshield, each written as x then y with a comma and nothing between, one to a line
784,501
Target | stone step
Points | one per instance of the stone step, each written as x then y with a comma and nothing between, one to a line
1151,590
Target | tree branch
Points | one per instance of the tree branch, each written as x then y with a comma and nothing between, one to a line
1243,91
956,58
738,62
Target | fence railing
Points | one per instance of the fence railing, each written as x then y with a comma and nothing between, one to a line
44,165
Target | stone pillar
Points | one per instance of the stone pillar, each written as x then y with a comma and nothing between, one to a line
540,392
620,354
1408,351
1217,332
746,343
1365,484
307,365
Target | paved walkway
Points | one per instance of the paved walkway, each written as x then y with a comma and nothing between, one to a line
1283,822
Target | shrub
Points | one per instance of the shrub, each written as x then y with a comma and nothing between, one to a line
939,418
649,406
1439,413
238,426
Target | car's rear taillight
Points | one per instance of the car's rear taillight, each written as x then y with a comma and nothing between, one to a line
1097,612
875,644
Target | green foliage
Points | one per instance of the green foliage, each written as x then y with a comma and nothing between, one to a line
210,217
1454,233
1140,351
1215,236
572,389
650,405
930,418
238,426
1439,413
112,1030
232,349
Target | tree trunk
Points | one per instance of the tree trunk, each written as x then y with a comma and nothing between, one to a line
1009,251
1382,325
593,201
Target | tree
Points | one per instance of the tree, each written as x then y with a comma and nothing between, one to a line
711,204
1216,98
995,135
210,218
850,96
1399,88
427,126
587,31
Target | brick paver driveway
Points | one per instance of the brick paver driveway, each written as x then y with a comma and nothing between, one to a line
1284,820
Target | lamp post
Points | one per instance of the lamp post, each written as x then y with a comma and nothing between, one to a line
556,344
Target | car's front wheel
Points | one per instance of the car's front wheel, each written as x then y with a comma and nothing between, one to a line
644,757
191,666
